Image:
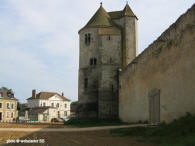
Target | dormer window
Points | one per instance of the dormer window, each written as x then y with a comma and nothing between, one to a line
93,61
87,38
9,95
12,95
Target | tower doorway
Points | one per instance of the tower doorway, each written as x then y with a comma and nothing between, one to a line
154,106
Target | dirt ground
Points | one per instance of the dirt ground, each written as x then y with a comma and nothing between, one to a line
79,138
94,138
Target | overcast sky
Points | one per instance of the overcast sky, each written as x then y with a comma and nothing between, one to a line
39,46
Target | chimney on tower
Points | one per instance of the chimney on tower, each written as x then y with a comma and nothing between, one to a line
63,94
34,93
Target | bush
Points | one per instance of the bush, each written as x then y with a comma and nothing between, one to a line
84,122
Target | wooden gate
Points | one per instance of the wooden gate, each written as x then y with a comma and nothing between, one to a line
154,106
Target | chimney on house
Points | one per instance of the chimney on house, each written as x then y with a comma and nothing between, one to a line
63,94
34,93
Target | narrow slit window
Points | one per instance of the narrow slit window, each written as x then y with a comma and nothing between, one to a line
95,61
110,60
86,83
91,61
109,38
112,87
89,38
85,38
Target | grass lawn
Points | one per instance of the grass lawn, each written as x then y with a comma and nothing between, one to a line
77,122
181,132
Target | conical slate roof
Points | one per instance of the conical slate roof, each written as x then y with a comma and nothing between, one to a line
128,12
101,18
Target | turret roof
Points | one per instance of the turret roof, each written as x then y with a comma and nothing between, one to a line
128,12
100,18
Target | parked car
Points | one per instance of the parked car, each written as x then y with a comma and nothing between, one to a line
23,119
56,120
65,119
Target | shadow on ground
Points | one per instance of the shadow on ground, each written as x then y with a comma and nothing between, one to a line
84,138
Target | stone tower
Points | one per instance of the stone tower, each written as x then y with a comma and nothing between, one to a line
108,42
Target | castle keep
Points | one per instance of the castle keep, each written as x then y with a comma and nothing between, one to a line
108,42
157,86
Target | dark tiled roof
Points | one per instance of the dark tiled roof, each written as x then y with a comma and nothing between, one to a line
7,94
115,14
47,95
125,12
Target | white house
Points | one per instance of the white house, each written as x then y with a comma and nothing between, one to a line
47,105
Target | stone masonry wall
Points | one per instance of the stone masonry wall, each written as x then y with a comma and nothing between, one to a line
88,97
111,60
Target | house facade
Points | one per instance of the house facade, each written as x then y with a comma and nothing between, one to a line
47,105
8,105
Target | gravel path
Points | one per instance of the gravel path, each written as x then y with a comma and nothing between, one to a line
69,129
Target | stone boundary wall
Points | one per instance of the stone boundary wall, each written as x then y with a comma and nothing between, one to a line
167,65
